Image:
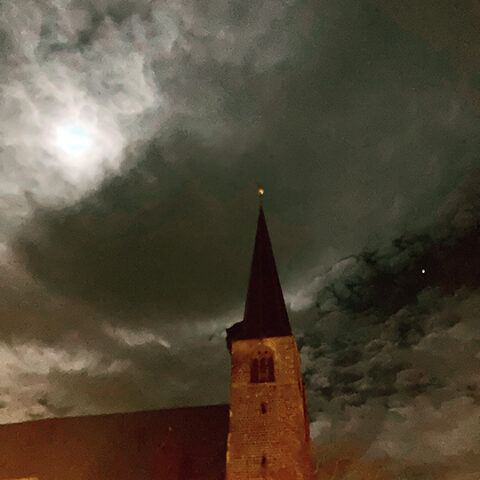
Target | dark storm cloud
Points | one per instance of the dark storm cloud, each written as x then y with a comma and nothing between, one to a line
148,378
30,311
394,353
353,134
133,252
451,27
58,357
444,255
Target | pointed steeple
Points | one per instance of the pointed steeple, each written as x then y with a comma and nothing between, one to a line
265,312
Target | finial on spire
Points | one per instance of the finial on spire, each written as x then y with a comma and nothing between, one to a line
261,192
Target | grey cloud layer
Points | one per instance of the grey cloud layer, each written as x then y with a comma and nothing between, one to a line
392,357
352,134
403,387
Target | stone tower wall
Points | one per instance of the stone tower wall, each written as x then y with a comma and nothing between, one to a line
268,434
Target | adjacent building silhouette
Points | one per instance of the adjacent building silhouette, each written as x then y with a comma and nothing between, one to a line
262,435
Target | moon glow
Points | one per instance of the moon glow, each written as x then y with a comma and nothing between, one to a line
74,139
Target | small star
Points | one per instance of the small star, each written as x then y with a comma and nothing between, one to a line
423,270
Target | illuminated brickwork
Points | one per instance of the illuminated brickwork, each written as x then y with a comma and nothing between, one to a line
268,436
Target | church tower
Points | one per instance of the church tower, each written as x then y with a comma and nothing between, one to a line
269,437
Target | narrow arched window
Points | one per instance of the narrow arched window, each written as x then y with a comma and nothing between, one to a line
262,365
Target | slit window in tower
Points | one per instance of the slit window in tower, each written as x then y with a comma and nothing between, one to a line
254,371
262,366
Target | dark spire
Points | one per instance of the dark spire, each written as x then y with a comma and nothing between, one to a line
265,313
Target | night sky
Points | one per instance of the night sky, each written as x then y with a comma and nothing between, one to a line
133,138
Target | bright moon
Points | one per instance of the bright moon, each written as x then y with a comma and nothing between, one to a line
81,151
73,139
